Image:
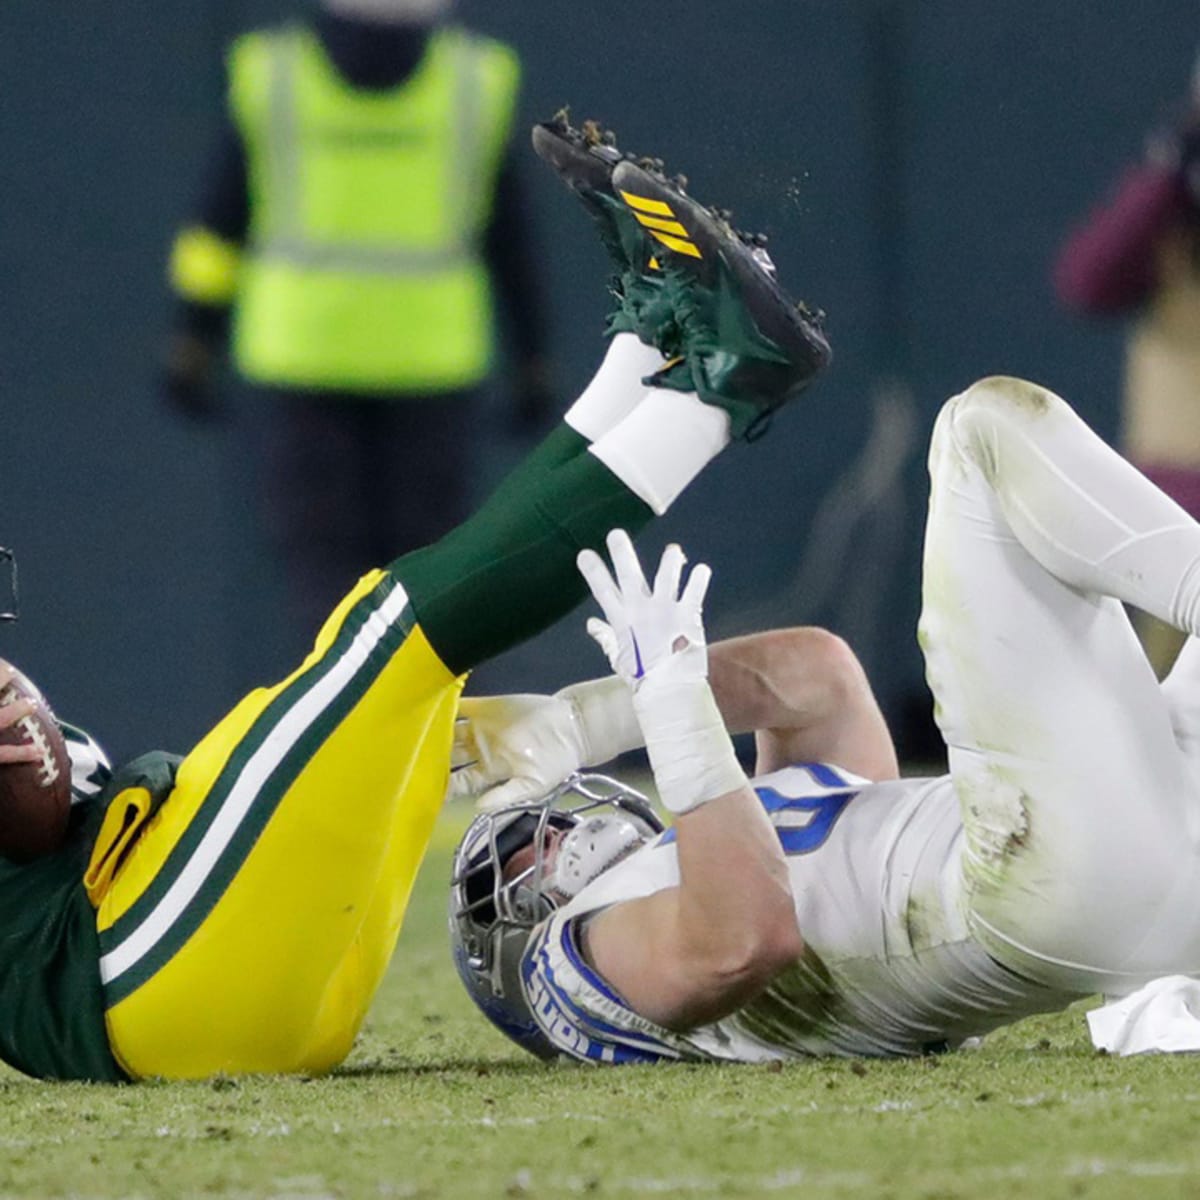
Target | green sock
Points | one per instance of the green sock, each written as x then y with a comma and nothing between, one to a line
560,445
509,571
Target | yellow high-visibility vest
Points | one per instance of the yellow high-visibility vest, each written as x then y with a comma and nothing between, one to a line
363,265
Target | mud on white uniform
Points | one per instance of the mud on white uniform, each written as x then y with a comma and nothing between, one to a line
890,966
1063,848
1078,774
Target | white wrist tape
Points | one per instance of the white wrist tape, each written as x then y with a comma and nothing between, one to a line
604,718
689,747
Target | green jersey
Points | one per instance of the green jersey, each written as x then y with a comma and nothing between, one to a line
51,998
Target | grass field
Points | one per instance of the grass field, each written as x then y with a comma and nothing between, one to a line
434,1104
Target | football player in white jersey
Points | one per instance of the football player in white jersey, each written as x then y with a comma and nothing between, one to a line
828,906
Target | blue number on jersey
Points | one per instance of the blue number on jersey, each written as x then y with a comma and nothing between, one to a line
803,839
825,810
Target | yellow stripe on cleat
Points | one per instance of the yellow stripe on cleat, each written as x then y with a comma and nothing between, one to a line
661,223
645,204
679,245
654,264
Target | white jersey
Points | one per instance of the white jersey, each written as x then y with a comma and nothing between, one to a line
889,968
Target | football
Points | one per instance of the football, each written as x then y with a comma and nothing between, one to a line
35,797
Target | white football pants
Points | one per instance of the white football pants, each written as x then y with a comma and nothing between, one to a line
1077,773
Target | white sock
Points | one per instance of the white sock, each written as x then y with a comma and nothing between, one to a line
616,388
663,444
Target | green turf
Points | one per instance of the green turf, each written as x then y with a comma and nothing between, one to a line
433,1104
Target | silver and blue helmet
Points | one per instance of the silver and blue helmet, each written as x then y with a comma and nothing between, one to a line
492,918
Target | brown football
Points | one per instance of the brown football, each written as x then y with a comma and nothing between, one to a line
35,797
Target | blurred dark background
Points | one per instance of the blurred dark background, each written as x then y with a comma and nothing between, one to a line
915,165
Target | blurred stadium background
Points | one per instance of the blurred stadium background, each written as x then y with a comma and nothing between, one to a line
915,164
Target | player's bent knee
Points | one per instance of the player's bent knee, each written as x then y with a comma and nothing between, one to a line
975,418
1004,396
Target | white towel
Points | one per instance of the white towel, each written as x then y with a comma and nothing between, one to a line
1163,1016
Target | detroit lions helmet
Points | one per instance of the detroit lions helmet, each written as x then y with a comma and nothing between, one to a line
599,822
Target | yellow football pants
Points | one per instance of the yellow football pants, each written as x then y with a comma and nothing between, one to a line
250,926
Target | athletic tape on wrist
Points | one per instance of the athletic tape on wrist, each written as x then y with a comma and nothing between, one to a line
689,747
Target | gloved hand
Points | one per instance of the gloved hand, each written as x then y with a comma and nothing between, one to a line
647,629
187,379
654,639
508,749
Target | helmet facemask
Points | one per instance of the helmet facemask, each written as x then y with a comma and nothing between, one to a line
492,918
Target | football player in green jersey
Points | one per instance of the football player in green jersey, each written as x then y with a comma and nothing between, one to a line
234,910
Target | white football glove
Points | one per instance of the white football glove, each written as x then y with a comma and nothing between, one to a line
508,749
648,630
654,639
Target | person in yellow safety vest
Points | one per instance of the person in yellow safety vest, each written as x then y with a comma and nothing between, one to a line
362,209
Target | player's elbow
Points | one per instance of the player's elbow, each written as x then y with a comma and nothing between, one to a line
779,943
813,670
729,977
714,962
839,668
769,943
772,952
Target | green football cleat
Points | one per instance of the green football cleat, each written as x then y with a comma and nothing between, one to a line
743,344
584,159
